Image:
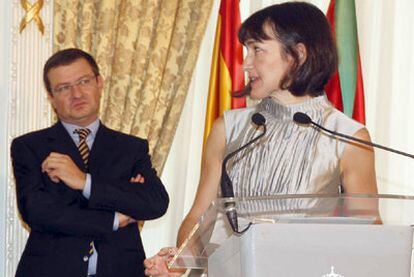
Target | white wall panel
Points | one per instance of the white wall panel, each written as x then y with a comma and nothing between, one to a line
4,96
27,108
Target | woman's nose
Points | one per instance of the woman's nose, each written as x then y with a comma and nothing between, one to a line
247,64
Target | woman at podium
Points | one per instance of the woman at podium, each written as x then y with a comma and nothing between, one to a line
291,55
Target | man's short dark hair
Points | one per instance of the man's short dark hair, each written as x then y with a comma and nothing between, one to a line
66,57
293,23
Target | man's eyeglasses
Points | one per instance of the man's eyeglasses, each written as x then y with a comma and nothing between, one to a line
85,82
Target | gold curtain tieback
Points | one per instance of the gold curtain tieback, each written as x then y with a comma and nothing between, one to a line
32,13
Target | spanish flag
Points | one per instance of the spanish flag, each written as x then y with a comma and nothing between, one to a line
226,73
345,89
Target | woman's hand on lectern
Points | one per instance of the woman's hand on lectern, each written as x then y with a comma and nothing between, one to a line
156,266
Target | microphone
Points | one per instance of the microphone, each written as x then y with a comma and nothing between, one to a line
227,185
304,119
259,120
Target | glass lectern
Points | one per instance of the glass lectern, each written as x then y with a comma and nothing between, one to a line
304,235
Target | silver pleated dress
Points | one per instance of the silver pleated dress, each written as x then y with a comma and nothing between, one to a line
289,159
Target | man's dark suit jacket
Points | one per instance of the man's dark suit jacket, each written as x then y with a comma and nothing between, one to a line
63,222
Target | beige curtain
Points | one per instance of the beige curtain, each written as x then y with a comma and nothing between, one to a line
147,50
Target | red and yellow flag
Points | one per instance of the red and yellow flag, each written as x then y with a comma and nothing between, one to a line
226,74
345,89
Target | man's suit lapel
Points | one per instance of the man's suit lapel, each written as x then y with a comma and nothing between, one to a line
102,149
60,141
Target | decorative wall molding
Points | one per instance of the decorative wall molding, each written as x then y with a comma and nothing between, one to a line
28,108
32,14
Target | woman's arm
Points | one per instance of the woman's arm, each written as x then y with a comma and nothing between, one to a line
209,179
358,166
206,193
358,176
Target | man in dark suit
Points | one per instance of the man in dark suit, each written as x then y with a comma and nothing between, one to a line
82,186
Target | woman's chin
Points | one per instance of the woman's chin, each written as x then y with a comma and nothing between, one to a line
258,95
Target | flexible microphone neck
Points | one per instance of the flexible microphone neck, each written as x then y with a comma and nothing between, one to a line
227,185
304,119
230,155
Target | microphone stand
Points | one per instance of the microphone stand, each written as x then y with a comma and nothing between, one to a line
304,119
227,185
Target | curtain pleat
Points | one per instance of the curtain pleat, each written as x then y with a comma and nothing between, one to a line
146,50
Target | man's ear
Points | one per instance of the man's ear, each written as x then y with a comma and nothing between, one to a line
51,99
302,52
100,81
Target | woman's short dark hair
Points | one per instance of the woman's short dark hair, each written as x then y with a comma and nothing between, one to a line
66,57
293,23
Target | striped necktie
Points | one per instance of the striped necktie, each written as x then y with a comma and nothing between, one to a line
84,152
83,146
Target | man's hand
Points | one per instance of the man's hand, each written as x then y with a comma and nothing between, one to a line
124,220
61,167
137,179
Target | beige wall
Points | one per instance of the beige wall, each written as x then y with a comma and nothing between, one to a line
386,33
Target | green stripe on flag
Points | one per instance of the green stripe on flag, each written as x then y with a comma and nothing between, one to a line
347,43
